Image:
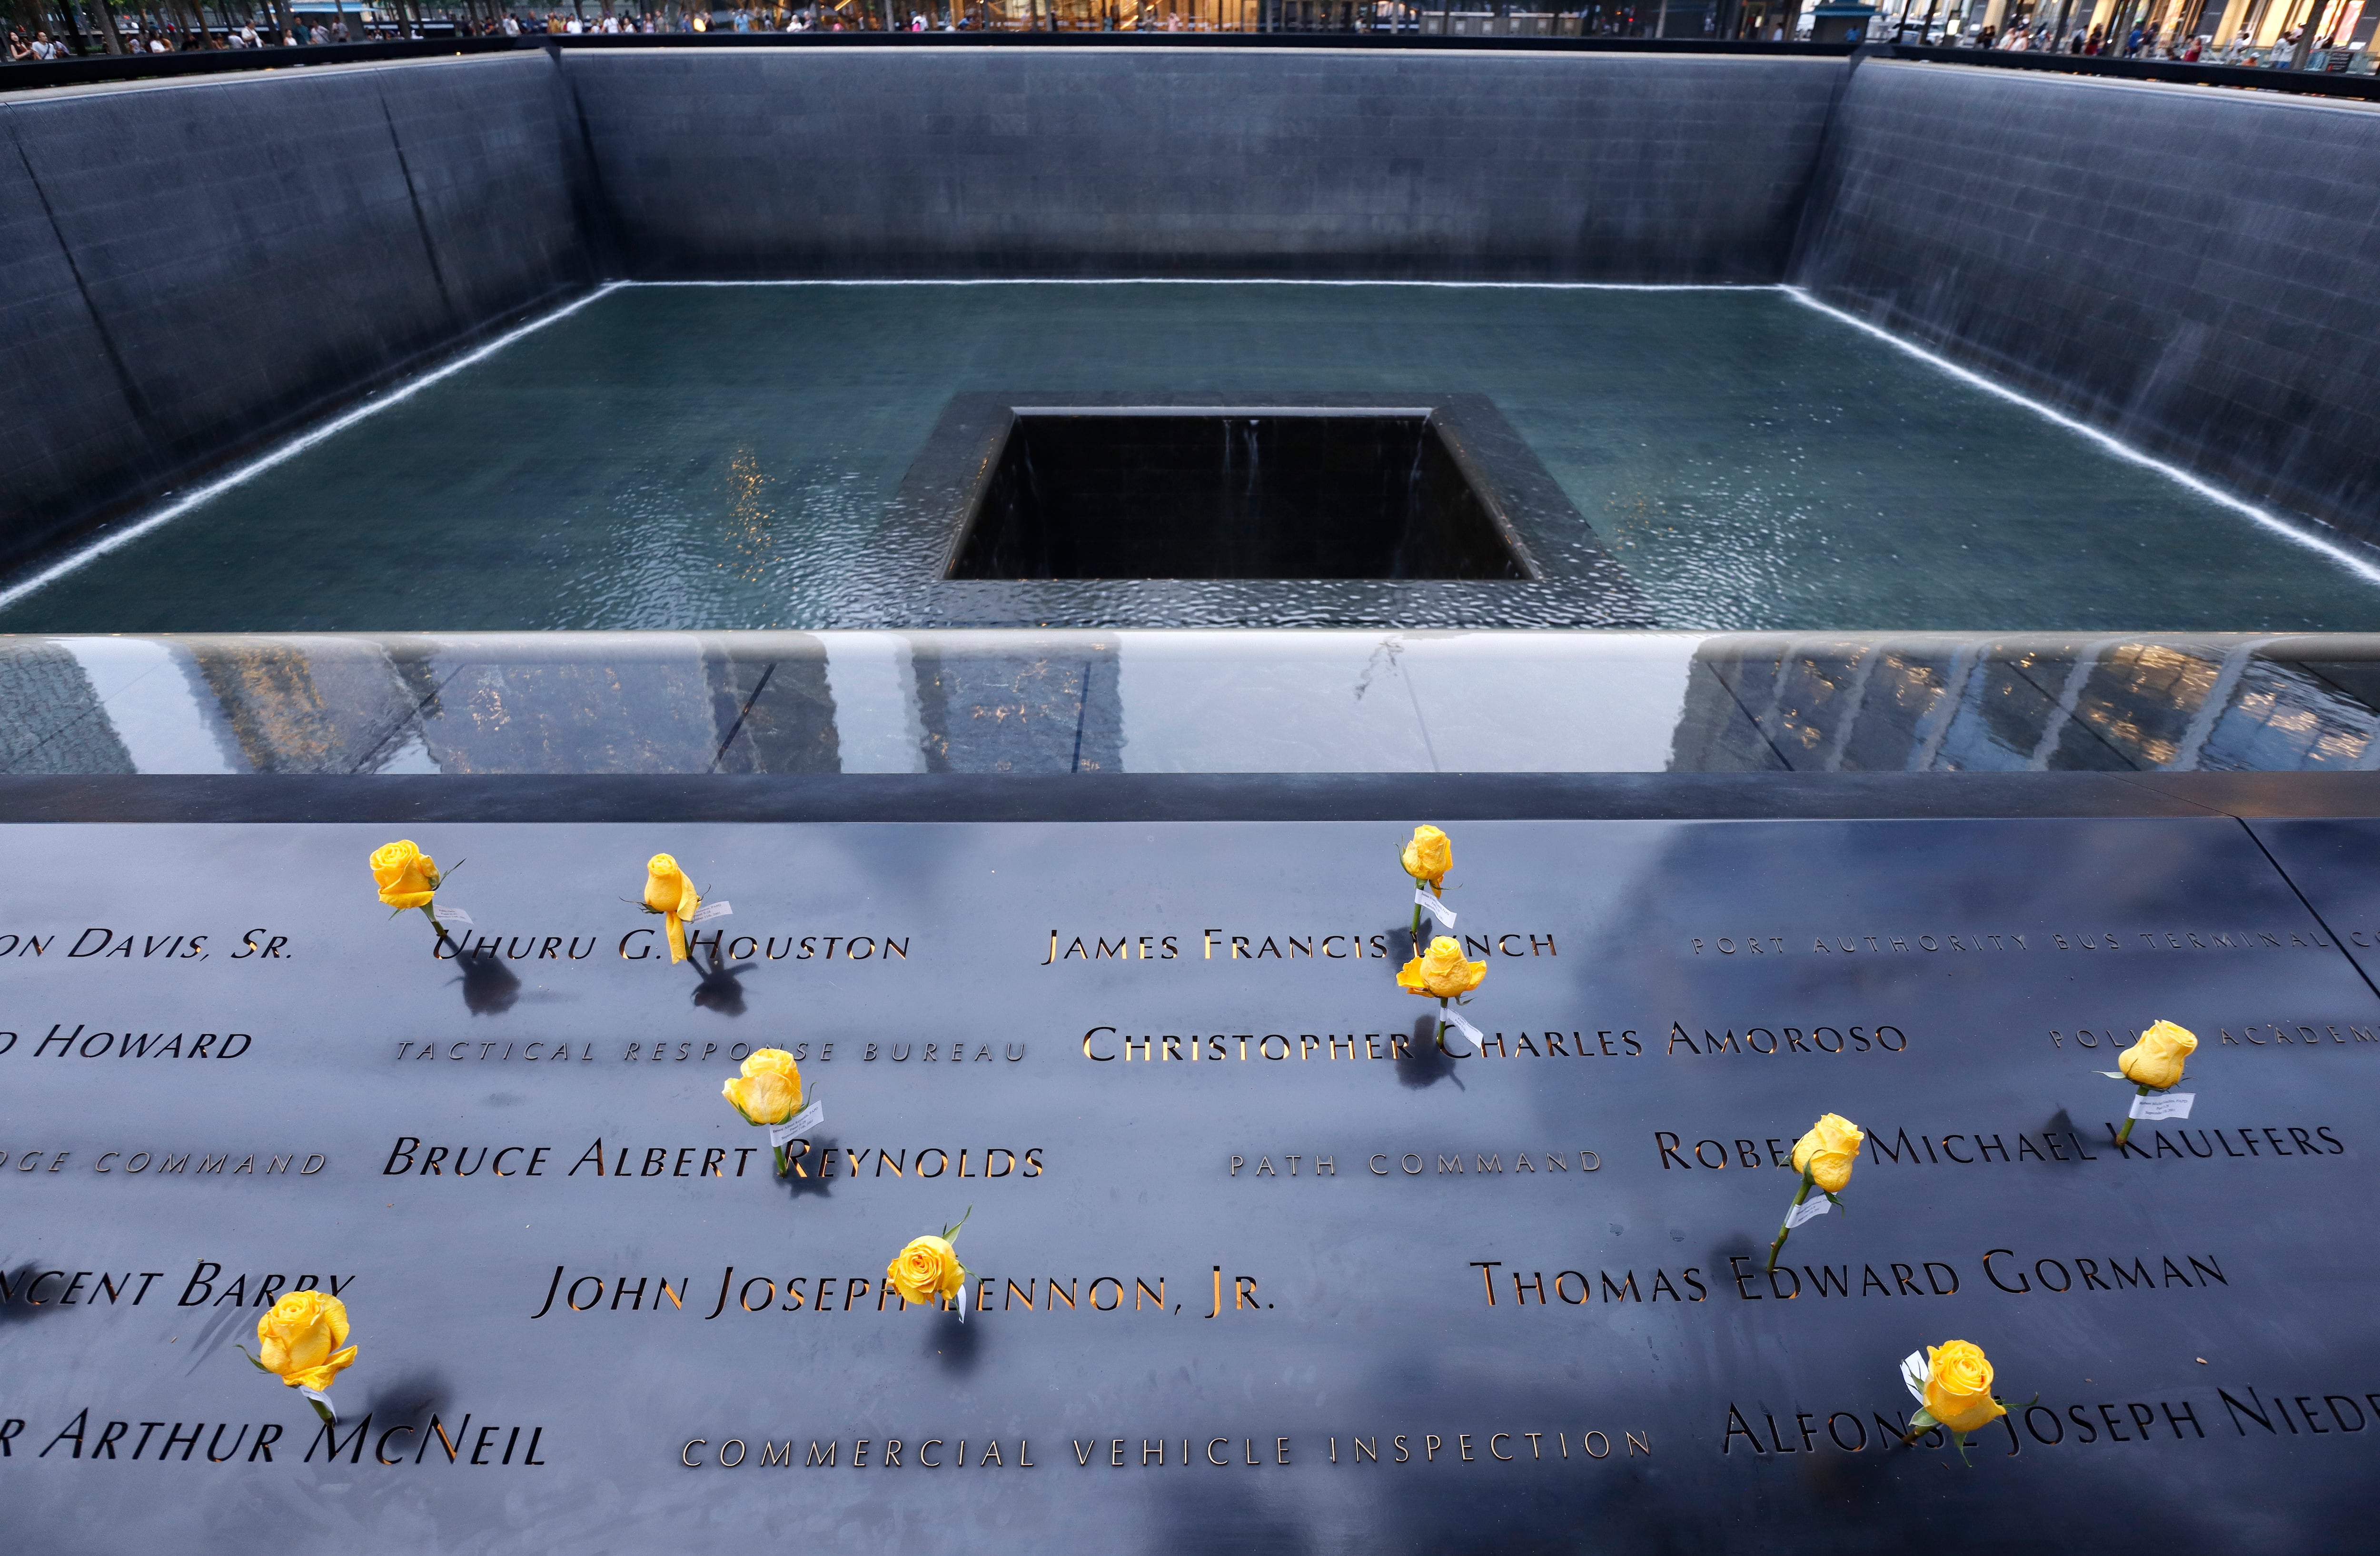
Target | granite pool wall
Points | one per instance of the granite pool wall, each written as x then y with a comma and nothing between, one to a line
2193,271
191,270
1187,161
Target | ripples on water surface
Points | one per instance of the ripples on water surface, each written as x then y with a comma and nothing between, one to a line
715,458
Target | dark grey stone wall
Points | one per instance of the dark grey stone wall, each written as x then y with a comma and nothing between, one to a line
65,417
194,268
1087,161
190,269
2195,271
498,173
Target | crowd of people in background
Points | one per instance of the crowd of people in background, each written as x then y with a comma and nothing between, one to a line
159,37
137,35
741,20
260,32
136,32
2146,41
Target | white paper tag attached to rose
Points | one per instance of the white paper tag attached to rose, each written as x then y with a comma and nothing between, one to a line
319,1397
447,914
963,1296
1808,1209
1468,1030
1914,1371
797,1126
2170,1104
1438,909
710,910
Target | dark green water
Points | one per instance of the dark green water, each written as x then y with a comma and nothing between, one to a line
715,458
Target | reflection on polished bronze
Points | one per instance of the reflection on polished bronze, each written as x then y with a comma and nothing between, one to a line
1049,701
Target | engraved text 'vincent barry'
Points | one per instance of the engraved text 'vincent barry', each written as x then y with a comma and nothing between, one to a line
31,1286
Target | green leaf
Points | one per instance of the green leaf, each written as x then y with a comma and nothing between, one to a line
1922,1421
254,1362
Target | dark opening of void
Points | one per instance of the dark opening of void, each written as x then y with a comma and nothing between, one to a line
1271,494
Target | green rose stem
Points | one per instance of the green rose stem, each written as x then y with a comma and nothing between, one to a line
1442,1022
2127,1133
779,1153
1786,1230
430,908
322,1406
1418,883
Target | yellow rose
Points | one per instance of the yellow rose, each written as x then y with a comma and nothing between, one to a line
1959,1390
926,1269
1829,1151
667,891
1441,973
778,1060
1429,855
2156,1059
770,1089
406,876
299,1337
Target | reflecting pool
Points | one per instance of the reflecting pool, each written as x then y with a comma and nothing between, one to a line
719,457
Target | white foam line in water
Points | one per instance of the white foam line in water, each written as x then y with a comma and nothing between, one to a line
1251,280
286,452
2362,566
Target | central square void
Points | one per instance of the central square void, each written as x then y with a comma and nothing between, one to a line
1275,492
